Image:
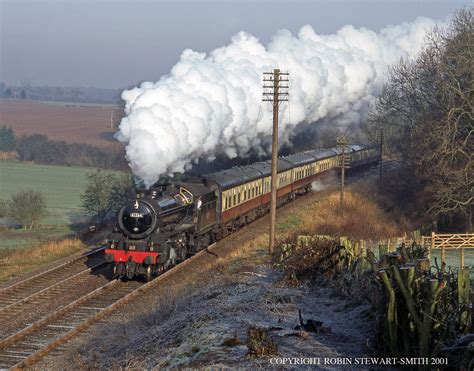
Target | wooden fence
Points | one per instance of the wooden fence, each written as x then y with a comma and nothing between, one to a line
442,242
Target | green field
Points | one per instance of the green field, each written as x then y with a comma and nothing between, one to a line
453,260
62,187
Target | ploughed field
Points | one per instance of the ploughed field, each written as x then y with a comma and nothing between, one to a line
70,122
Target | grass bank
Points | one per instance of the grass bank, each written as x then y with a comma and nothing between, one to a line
14,263
364,216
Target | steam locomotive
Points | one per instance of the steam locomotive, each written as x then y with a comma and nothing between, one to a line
168,222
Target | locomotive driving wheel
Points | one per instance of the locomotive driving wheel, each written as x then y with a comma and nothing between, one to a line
119,269
182,253
149,273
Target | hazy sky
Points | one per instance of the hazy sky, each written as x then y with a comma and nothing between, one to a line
120,43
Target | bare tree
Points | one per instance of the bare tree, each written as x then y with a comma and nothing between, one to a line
426,111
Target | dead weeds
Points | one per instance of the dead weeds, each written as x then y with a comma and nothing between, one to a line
20,261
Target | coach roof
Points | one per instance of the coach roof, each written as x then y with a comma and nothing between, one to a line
226,179
265,168
299,159
320,154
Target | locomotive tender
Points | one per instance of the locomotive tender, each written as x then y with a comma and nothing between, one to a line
167,223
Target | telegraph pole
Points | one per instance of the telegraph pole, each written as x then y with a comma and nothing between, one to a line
276,93
342,143
381,156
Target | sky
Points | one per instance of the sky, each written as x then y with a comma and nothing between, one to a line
118,44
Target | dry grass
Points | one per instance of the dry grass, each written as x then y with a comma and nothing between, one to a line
16,262
364,217
260,343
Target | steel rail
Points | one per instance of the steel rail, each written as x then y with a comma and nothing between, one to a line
52,269
38,293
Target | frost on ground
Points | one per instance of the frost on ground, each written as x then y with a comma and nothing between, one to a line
208,326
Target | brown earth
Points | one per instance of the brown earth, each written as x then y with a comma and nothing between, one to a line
67,122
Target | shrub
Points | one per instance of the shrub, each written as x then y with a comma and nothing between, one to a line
26,207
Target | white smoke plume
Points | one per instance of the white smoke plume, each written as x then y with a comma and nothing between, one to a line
211,104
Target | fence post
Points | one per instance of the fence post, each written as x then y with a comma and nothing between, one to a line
461,257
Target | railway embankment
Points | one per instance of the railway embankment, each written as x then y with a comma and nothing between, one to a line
201,315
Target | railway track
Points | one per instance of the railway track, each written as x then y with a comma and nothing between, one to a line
28,345
24,289
23,311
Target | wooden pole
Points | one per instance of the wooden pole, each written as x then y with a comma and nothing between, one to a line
461,257
432,243
381,156
342,177
275,96
276,77
342,142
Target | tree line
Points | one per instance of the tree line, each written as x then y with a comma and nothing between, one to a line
426,112
40,149
57,93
